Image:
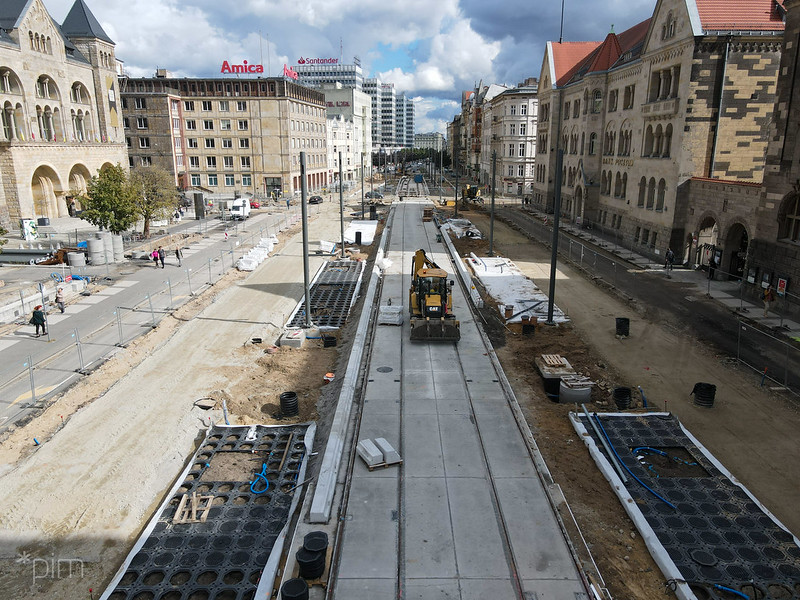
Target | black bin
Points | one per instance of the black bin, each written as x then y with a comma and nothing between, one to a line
199,206
358,238
43,221
623,326
373,213
704,394
294,589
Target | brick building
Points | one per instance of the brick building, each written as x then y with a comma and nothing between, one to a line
677,104
225,136
58,101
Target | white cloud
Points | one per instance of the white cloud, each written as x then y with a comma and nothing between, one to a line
429,114
458,57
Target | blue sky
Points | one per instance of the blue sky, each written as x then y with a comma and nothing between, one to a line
432,50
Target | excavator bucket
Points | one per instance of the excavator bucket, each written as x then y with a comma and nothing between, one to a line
435,330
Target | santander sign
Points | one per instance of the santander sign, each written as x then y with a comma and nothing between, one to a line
242,68
317,61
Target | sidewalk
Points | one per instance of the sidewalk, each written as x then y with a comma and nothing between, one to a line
728,293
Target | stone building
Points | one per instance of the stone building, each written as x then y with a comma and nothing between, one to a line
225,136
774,254
651,119
349,113
430,141
60,118
509,130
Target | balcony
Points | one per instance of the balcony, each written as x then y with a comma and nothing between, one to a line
660,108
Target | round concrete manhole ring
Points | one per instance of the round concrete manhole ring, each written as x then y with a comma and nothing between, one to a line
384,369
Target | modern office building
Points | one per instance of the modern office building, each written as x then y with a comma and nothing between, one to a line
227,135
509,133
59,108
316,72
404,122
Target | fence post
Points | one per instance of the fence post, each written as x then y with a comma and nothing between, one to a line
152,313
80,350
169,285
210,279
119,324
29,364
189,279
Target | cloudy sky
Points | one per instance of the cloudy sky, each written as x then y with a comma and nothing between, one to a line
431,50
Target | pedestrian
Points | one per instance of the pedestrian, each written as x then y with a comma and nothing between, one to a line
178,255
60,299
161,256
154,256
769,297
38,320
712,266
670,259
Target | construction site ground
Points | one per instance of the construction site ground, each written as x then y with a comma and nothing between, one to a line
113,444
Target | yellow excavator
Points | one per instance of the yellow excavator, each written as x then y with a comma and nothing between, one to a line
430,302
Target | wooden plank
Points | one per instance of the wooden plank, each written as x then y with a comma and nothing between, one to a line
553,360
181,505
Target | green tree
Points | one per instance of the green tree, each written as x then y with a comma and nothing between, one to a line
108,202
154,194
3,242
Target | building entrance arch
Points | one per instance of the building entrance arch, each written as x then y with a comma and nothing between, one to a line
48,194
735,251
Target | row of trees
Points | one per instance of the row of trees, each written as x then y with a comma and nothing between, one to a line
116,201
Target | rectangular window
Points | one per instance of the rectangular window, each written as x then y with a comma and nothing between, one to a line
128,142
191,124
124,103
229,181
227,143
510,170
522,128
241,105
141,122
521,171
210,143
645,236
566,109
247,180
244,143
224,106
522,149
194,162
511,149
225,124
140,103
245,161
206,105
174,104
188,105
176,123
512,129
211,162
208,124
227,162
130,162
513,109
147,161
212,180
191,142
242,124
179,160
144,142
178,144
195,180
523,109
126,123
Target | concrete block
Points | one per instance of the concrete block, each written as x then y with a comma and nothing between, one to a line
390,455
369,452
390,315
293,338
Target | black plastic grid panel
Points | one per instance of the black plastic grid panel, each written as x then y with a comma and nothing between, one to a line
331,295
223,558
716,534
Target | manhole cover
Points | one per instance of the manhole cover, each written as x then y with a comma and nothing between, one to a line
703,558
385,369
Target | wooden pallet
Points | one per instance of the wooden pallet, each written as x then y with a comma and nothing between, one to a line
187,511
384,465
553,360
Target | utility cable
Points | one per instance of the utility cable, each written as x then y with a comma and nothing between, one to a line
261,475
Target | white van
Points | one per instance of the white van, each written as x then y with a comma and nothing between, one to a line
240,209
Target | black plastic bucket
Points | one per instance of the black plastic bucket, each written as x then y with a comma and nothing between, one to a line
289,406
294,589
316,541
622,397
311,564
552,387
623,326
358,238
328,341
704,394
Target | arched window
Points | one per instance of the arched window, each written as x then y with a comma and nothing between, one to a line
789,220
618,186
49,45
658,138
585,101
666,149
651,193
592,143
597,101
603,183
33,44
662,190
583,139
648,142
642,191
624,193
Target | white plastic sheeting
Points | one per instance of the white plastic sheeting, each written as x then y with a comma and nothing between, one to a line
257,255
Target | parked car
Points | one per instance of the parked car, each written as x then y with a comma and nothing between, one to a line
315,200
254,204
375,195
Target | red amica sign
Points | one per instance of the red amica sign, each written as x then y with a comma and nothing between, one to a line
242,68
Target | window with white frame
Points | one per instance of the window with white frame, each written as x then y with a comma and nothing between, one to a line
211,162
141,122
522,128
229,179
147,161
144,142
212,179
188,105
140,103
224,106
225,124
227,162
511,149
244,143
191,124
521,171
241,105
206,105
247,180
243,124
210,143
194,162
194,180
510,170
191,142
522,149
227,143
208,124
245,162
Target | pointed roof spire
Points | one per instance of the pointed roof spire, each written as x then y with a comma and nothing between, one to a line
80,22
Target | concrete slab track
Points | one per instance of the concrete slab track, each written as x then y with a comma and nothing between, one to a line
466,515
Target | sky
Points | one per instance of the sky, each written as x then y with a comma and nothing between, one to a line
432,50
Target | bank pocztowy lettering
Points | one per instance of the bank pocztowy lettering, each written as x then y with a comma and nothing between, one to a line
242,68
317,61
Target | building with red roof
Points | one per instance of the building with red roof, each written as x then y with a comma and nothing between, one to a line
680,98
